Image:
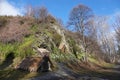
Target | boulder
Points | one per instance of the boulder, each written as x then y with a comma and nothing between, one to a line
42,51
31,64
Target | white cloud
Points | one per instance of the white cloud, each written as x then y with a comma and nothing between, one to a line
7,9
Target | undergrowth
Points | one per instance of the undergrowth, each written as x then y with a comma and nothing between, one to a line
20,49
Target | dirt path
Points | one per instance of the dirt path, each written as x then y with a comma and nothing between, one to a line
64,73
117,68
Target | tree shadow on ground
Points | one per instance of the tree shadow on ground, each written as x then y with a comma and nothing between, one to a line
107,75
8,61
12,74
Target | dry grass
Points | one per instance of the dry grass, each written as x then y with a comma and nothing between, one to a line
15,30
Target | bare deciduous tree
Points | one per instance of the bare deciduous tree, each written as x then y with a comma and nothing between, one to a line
30,11
39,13
116,26
104,36
43,13
79,19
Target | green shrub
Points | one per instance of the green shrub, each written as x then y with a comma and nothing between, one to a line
5,49
34,28
19,49
57,55
25,48
57,39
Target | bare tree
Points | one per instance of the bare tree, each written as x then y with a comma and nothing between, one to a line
116,26
30,11
104,36
43,13
102,30
79,19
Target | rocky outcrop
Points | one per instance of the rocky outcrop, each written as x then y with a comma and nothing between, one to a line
64,46
30,63
41,51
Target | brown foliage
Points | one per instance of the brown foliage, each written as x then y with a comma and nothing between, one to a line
50,19
3,21
15,30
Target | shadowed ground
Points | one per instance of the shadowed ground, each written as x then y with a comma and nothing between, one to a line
8,61
62,73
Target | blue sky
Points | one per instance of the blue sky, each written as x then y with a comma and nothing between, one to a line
62,8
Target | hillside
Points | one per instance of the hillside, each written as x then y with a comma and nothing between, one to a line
19,36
